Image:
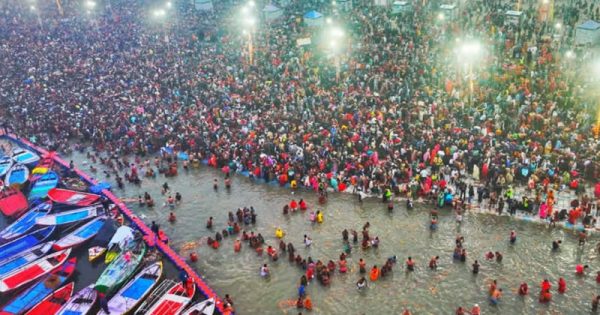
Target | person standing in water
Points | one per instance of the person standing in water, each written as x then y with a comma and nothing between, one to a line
476,267
513,237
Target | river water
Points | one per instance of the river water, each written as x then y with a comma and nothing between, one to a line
403,233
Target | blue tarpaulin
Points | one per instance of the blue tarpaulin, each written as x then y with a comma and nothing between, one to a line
97,189
312,15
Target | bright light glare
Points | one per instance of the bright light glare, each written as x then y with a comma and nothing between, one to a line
90,4
596,68
441,16
558,25
251,3
169,4
250,21
570,54
337,32
159,12
32,8
546,1
328,20
470,49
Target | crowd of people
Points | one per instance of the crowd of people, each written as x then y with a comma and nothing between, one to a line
393,113
399,115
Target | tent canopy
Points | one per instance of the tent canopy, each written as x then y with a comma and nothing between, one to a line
589,25
270,8
312,15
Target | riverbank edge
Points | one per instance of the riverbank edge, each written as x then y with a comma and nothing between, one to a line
471,209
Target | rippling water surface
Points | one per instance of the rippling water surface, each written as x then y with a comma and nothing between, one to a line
403,233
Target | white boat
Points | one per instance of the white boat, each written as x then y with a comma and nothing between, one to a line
173,302
5,164
33,271
206,307
122,237
136,290
81,302
24,156
71,216
18,174
81,234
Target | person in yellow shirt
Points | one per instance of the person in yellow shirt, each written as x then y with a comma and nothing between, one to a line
319,217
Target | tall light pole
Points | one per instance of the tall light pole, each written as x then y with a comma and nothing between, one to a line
249,24
35,10
469,53
335,36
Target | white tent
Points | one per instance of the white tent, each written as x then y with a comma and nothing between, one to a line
344,5
513,17
284,3
381,2
203,5
272,12
449,10
401,7
313,18
588,33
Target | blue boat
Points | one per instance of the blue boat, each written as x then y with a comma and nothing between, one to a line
26,222
18,174
17,261
71,216
5,164
42,185
24,156
25,242
32,296
80,235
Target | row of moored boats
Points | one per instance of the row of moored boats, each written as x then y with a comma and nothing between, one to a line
49,223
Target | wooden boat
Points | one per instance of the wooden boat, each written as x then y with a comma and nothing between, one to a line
130,295
18,174
71,197
81,234
80,303
171,303
25,242
12,202
5,164
26,222
24,156
76,184
122,237
206,307
70,216
33,271
123,267
42,185
53,302
24,258
95,252
39,291
44,165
